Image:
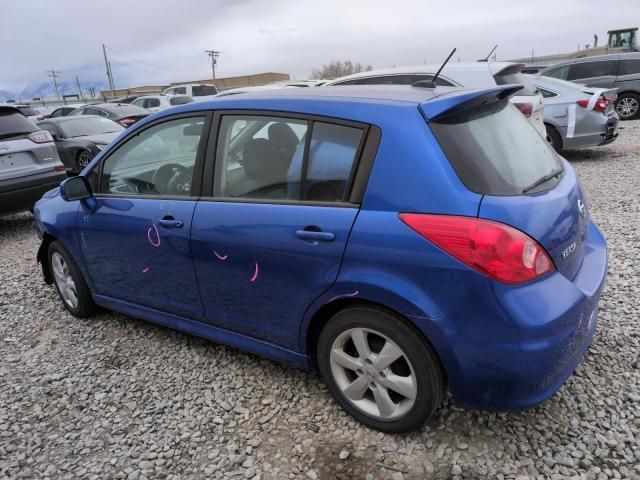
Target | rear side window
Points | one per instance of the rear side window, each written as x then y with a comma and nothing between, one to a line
494,150
273,158
628,67
511,76
561,73
202,90
13,123
593,69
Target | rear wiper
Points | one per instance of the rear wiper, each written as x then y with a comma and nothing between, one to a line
542,180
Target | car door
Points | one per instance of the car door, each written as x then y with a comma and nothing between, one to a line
270,236
135,237
596,73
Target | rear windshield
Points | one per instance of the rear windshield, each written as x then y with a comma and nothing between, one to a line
202,90
28,111
513,75
126,110
495,150
13,123
78,127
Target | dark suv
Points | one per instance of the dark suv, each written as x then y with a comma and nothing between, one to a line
621,71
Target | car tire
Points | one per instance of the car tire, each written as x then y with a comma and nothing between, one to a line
554,138
69,282
82,159
391,397
628,106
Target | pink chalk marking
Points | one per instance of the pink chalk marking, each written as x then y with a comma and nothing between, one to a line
220,257
345,295
146,269
255,274
155,244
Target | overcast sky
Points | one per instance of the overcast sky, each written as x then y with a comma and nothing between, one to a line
155,42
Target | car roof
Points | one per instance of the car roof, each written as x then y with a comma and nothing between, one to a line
595,58
71,118
455,67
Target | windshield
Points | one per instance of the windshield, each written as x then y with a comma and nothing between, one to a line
81,126
495,150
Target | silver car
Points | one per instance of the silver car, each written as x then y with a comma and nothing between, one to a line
577,116
29,162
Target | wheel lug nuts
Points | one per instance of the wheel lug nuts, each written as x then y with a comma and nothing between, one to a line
372,385
368,361
359,371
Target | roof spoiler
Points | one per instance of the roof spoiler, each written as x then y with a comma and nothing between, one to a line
453,102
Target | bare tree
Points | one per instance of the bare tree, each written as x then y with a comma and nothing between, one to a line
339,69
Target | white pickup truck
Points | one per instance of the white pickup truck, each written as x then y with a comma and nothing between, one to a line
197,91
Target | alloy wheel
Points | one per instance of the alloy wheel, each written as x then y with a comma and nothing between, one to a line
83,159
64,280
373,373
627,107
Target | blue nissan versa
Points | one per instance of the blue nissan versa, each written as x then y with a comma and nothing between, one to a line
402,240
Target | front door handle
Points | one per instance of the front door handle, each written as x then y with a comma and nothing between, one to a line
316,236
170,222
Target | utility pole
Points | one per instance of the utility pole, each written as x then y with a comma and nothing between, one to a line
79,88
213,56
109,73
55,74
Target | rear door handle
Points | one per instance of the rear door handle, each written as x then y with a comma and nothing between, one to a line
314,235
171,223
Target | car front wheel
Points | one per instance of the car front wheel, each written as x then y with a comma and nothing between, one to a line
84,158
69,282
379,369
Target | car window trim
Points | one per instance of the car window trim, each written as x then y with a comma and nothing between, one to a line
196,181
360,169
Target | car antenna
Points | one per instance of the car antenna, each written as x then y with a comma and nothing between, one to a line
486,59
432,83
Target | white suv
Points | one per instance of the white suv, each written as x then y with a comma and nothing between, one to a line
468,75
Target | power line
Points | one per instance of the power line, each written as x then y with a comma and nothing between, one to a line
54,74
160,67
213,56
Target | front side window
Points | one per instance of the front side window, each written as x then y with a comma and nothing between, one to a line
152,103
158,161
266,158
561,72
202,90
629,67
180,91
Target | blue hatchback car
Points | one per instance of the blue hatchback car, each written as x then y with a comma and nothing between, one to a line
402,240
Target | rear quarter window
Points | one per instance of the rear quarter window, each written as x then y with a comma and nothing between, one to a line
495,150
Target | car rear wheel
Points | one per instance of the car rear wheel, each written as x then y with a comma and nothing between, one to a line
84,158
628,106
554,138
69,282
379,369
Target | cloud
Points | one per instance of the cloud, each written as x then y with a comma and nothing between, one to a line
164,40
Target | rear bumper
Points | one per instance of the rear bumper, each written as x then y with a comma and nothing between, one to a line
22,193
514,347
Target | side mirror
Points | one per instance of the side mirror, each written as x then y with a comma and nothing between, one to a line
75,188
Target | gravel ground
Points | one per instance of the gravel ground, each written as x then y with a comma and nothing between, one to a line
115,397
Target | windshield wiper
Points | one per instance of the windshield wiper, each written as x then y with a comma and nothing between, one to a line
544,179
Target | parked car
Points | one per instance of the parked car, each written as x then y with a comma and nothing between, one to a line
196,91
27,110
122,113
487,272
79,139
125,99
64,111
469,75
155,103
620,71
577,116
29,163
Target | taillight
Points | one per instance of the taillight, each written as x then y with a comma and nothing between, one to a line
60,168
600,105
126,122
40,137
525,108
496,250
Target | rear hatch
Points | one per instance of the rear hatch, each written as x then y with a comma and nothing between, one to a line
524,183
